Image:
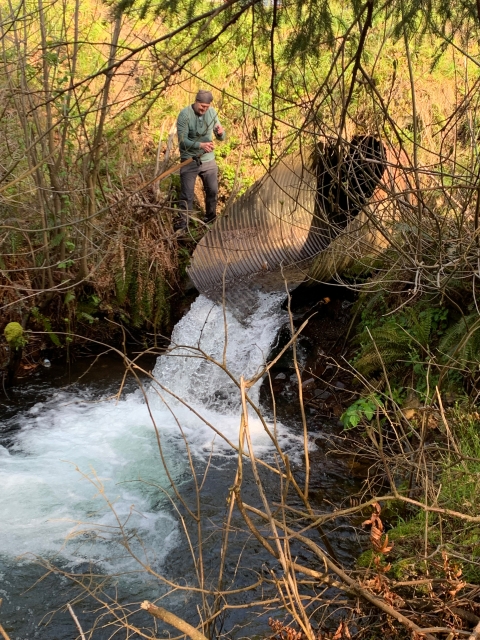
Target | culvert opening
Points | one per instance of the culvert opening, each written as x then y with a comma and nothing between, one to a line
347,177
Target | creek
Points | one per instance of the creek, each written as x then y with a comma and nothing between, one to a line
83,471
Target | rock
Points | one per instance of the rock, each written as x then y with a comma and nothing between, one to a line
337,410
339,385
280,376
308,383
321,394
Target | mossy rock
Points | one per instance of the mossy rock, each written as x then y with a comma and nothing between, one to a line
403,569
365,559
14,335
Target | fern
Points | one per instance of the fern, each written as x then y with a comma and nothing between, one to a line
123,278
162,307
461,342
374,303
420,325
387,344
397,341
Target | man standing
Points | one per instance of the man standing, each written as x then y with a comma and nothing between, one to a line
195,126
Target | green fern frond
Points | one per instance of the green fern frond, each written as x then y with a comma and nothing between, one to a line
461,342
371,359
420,324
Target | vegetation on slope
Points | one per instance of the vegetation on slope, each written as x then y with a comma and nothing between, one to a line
89,97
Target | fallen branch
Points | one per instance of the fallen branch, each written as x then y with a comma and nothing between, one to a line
447,630
350,582
325,517
173,620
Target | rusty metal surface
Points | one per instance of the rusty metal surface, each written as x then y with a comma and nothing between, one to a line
265,238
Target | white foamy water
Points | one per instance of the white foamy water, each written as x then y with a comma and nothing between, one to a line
47,506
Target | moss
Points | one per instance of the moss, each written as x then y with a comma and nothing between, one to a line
365,559
14,335
403,569
406,529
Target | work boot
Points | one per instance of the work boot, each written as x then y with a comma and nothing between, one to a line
210,219
181,222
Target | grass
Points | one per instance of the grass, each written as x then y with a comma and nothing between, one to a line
420,539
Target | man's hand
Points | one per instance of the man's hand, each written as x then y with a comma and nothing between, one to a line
206,146
219,130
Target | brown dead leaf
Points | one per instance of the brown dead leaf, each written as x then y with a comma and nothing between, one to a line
379,542
381,545
379,567
458,587
375,584
377,508
342,632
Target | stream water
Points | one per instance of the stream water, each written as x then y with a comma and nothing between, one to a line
77,464
86,483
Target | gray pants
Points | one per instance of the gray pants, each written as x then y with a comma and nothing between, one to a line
208,173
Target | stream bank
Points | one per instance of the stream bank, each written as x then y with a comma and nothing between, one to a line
85,322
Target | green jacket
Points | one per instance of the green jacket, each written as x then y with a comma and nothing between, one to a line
193,129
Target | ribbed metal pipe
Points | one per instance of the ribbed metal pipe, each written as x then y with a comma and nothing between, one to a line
277,235
265,237
368,235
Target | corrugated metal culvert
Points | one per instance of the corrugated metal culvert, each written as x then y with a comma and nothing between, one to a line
304,218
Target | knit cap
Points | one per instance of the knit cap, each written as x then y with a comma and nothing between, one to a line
204,96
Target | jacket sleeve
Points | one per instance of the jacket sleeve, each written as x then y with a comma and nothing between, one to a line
185,143
217,121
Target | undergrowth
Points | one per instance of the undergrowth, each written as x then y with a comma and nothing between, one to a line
419,538
418,367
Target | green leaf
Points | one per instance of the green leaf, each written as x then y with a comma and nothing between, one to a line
65,264
69,297
86,316
56,240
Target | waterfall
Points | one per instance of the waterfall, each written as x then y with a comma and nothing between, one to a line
72,447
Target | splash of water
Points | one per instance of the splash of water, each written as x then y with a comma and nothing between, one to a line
70,447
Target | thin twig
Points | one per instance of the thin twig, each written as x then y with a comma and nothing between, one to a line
75,619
